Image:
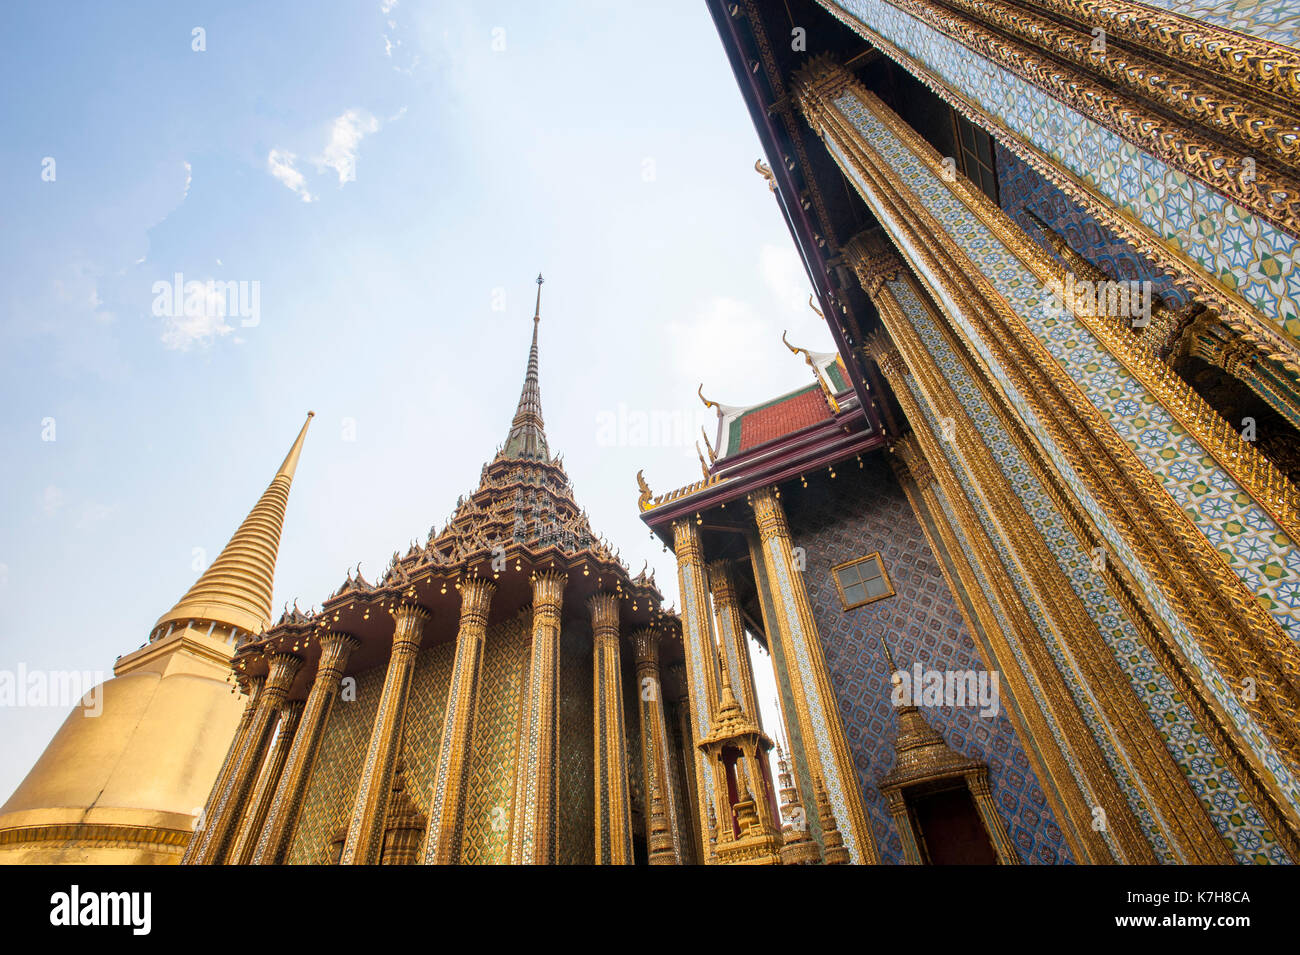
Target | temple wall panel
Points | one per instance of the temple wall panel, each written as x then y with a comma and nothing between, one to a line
327,802
490,804
426,707
1248,265
1233,815
860,512
1272,20
577,748
1244,533
1020,186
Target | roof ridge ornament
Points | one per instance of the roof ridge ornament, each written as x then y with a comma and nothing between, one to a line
817,373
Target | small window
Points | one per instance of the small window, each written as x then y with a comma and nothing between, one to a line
861,581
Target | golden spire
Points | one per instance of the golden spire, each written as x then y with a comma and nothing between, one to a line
527,438
235,590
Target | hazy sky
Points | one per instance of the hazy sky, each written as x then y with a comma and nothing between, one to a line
392,175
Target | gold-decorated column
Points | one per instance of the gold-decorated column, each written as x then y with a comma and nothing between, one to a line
822,732
335,648
688,815
366,831
259,803
740,668
613,824
534,836
233,754
234,797
701,670
447,801
661,802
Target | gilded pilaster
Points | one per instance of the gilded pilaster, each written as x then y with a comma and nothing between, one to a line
259,803
234,797
819,718
662,804
366,832
233,755
700,655
335,648
534,836
689,815
442,844
613,822
731,625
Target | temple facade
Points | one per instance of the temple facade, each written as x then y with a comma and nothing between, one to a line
506,692
1024,553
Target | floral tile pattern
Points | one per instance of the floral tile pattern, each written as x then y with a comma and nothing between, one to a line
1250,543
1233,815
1264,19
1242,252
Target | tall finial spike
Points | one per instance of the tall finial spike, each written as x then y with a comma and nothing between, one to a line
537,310
235,589
291,459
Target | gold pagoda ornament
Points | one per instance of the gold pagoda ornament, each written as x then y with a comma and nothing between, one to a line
797,846
747,832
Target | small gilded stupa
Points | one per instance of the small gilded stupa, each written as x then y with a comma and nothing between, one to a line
123,783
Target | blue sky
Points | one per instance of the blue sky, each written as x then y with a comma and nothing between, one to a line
392,176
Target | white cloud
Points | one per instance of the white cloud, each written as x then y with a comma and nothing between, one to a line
202,321
189,178
386,6
340,152
52,499
280,164
388,46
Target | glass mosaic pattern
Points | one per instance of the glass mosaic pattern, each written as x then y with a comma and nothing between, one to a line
1274,20
327,802
865,510
1244,253
489,796
1236,819
1255,548
577,749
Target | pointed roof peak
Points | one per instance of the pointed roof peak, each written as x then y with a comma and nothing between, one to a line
235,589
527,438
290,464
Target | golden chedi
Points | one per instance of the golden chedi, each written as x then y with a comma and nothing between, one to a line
123,781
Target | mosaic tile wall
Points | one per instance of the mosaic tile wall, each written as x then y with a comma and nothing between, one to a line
491,784
327,803
1274,20
677,768
859,512
1252,544
577,748
1241,251
1237,820
426,706
1019,186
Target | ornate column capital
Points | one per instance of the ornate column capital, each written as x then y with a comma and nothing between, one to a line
873,260
604,612
686,540
409,619
907,454
279,678
722,584
335,648
475,598
646,642
769,515
885,354
548,589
